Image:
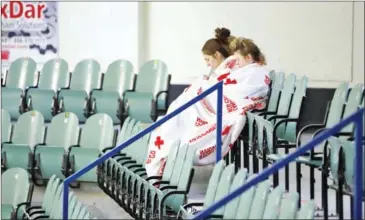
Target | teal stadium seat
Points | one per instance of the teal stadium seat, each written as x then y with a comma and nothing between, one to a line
43,97
6,126
85,77
28,131
62,132
16,193
118,78
52,204
276,87
96,134
20,76
219,185
151,92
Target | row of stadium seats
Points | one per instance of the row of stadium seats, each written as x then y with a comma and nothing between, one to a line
272,133
87,91
60,148
259,202
17,194
124,179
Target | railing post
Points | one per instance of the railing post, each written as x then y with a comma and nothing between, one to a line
219,122
65,199
358,167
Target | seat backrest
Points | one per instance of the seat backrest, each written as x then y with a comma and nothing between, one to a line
86,76
10,183
48,201
5,126
273,203
295,107
63,131
231,207
272,75
152,77
184,180
171,159
289,206
245,202
135,147
286,94
349,153
224,184
54,75
22,194
29,129
213,183
124,134
259,200
57,201
181,155
21,73
285,100
98,132
335,145
269,132
276,87
307,210
47,193
352,104
337,104
77,209
118,77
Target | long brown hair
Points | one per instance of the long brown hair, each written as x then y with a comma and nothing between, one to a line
248,47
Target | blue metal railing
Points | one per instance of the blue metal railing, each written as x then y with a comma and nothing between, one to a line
218,87
356,118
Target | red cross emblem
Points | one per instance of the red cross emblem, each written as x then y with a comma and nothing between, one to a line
159,142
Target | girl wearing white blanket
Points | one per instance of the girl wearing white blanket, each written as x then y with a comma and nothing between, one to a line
246,86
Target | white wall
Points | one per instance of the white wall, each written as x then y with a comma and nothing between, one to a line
99,30
323,40
316,39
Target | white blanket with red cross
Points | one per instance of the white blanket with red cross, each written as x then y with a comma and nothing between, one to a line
244,89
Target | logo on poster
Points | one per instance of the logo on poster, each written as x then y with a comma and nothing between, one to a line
19,9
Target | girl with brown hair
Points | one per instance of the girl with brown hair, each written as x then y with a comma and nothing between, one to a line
245,87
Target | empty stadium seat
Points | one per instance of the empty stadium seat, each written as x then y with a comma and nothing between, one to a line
85,77
62,133
20,76
147,205
269,134
170,197
52,204
96,134
151,92
16,193
119,179
276,87
43,97
118,78
219,185
273,203
289,206
283,111
28,132
6,126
